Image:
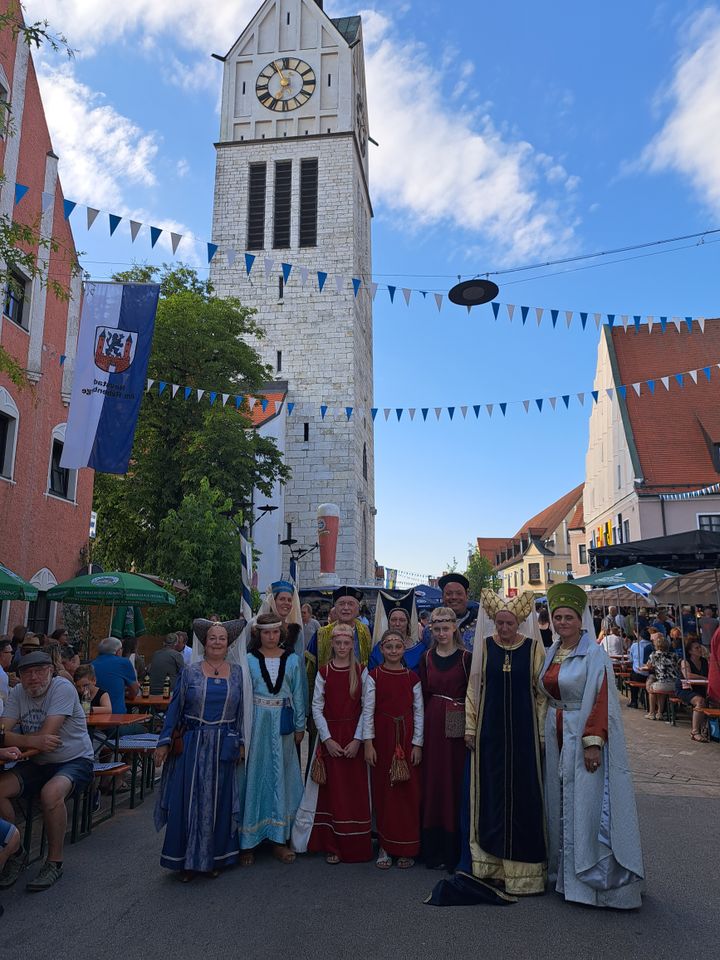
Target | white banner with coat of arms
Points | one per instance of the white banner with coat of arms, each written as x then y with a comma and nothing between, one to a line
116,331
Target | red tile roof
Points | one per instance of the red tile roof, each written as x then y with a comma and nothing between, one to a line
543,524
669,448
490,546
577,521
275,398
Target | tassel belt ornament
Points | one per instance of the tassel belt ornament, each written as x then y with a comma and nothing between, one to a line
399,769
271,701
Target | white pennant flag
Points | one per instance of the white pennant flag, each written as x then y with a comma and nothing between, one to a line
175,239
175,388
553,401
568,318
701,324
269,264
373,289
677,321
149,385
581,398
650,323
489,407
526,404
609,391
511,311
200,395
386,412
636,388
598,319
230,254
438,411
92,214
411,411
438,300
134,230
538,313
407,294
339,283
624,319
665,382
304,272
463,411
693,375
251,402
46,201
226,397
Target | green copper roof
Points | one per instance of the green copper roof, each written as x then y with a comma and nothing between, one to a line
348,27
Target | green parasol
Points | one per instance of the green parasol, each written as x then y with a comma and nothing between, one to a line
128,622
105,589
13,587
639,577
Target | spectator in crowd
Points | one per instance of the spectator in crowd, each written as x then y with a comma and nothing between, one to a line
44,713
663,666
613,642
18,635
363,616
166,662
129,651
62,636
114,673
332,615
70,660
9,834
611,620
676,642
6,654
689,624
638,651
661,624
713,692
29,644
183,647
455,589
546,631
642,622
423,622
310,625
694,667
707,625
54,649
88,690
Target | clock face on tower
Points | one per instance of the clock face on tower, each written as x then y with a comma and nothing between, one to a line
285,84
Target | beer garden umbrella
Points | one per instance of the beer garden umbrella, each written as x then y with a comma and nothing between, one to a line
110,590
13,587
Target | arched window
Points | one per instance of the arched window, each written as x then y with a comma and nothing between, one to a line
62,483
9,419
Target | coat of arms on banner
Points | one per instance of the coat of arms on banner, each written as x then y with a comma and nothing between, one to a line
114,349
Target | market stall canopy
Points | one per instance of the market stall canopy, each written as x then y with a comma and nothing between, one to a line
13,587
619,596
639,578
702,586
681,552
105,589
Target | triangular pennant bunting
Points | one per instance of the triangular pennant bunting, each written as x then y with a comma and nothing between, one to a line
286,268
249,261
212,249
406,294
155,236
92,215
510,311
21,190
391,291
356,285
114,220
175,239
321,278
68,207
495,309
524,313
134,230
438,301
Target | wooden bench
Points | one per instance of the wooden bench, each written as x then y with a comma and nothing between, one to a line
82,812
140,749
638,685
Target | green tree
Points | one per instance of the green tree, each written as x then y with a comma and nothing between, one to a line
481,574
200,341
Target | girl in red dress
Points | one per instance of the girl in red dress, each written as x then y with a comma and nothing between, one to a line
341,826
393,733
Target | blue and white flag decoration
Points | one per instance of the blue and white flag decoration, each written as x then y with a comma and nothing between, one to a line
116,331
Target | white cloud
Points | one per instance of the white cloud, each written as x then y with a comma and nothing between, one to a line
182,168
689,142
439,164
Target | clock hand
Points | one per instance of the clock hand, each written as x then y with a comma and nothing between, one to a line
283,80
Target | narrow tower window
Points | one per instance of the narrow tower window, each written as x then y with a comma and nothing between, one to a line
256,206
306,432
278,365
281,219
308,202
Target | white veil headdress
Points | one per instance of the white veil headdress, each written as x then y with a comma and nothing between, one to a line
384,607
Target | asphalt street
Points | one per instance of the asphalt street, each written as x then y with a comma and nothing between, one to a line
115,902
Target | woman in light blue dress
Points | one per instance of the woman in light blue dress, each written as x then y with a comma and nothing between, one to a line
270,782
198,800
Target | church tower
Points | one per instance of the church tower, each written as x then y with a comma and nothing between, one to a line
291,186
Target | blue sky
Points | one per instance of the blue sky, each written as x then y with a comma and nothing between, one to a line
509,134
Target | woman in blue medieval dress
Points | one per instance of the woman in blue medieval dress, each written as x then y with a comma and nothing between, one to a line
200,746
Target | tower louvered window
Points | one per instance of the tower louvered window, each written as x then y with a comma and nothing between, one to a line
257,181
308,202
281,213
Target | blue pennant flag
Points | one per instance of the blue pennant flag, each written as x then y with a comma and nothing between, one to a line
154,235
161,386
249,261
451,412
114,222
688,321
63,358
524,311
622,391
391,291
290,408
348,412
503,407
663,323
680,377
651,385
212,249
495,308
68,207
323,410
539,404
238,402
424,294
188,391
594,394
566,400
322,277
213,397
424,411
399,412
611,319
583,320
264,404
286,268
356,285
636,321
706,371
373,412
477,407
554,316
20,191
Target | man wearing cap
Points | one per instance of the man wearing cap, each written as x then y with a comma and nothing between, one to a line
43,713
455,588
346,602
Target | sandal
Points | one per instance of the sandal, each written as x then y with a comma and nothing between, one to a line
247,859
384,860
332,858
404,863
649,716
658,716
700,737
283,853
